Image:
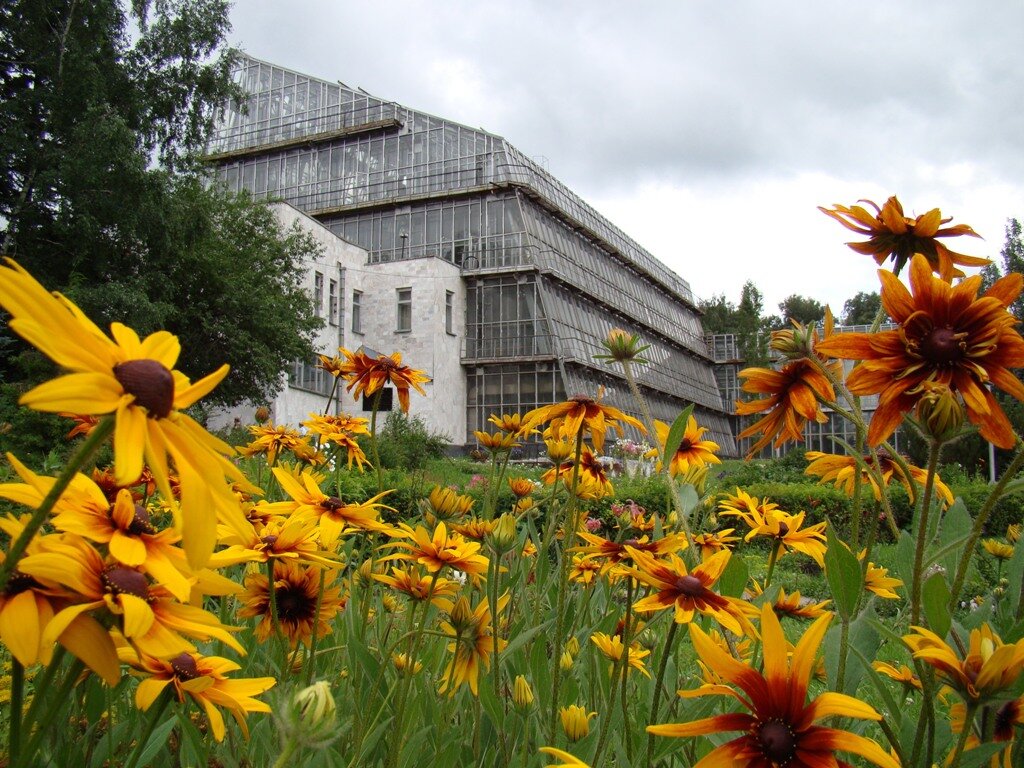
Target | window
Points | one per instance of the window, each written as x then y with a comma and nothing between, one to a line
318,294
404,310
357,311
385,398
449,300
332,305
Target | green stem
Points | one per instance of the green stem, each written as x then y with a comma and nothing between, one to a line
954,760
62,695
17,702
922,534
42,684
606,721
772,559
656,703
844,642
858,503
316,622
570,539
677,500
1019,615
627,637
894,741
275,622
979,525
286,753
373,440
155,713
406,682
92,443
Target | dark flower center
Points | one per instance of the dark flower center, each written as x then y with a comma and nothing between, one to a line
783,530
140,524
778,743
151,384
293,605
690,586
184,666
125,581
18,583
270,540
332,503
684,445
942,346
1005,717
582,400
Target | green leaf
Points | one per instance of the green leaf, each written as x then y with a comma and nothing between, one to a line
863,638
981,754
1015,572
157,741
688,499
955,526
935,601
904,563
734,578
894,711
522,638
675,433
843,573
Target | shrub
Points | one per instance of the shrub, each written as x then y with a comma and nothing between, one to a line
30,435
820,502
406,443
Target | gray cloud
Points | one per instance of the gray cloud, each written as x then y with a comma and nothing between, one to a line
701,96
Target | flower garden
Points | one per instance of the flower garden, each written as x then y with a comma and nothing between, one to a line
169,599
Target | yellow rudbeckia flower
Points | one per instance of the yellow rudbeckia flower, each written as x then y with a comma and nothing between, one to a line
135,381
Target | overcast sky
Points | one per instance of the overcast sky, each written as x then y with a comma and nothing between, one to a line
708,131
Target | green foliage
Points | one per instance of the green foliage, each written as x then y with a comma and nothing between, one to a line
406,443
820,502
29,435
862,308
803,309
787,469
745,320
87,108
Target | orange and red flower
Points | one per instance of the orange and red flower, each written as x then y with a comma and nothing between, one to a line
947,334
893,235
792,395
779,728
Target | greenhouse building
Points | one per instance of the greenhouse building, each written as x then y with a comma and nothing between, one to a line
463,254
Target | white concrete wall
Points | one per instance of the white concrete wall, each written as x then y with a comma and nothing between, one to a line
427,346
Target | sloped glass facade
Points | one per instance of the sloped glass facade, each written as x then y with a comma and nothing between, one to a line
546,276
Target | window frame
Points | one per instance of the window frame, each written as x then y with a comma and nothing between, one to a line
357,312
403,319
449,312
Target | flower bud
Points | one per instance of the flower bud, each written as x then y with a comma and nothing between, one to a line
363,577
522,694
521,486
796,342
503,536
622,347
401,662
572,645
938,409
1013,532
524,504
575,722
461,615
309,717
566,661
559,450
262,415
